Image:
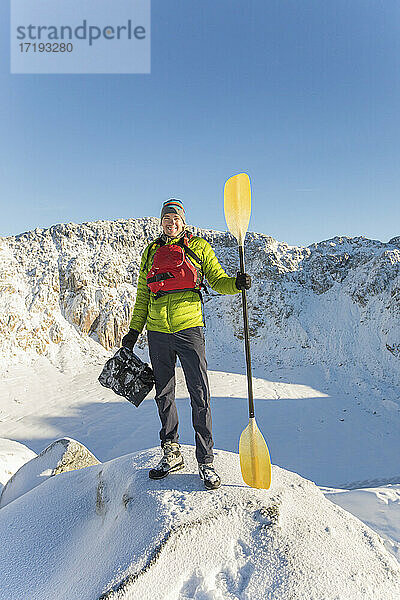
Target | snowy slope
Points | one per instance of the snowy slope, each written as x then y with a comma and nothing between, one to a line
336,434
378,507
12,456
86,533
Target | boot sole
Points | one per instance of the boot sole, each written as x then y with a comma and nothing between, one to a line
155,475
211,486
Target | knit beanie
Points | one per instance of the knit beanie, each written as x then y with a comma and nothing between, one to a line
173,206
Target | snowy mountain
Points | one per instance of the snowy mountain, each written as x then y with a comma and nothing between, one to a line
335,303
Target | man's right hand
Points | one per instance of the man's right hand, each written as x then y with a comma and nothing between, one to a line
130,339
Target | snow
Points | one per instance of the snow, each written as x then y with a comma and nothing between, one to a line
379,508
12,456
109,526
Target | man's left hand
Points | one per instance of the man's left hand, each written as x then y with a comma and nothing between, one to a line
243,281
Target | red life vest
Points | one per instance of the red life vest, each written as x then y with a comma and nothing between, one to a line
172,271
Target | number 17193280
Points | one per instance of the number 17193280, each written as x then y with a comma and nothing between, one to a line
45,47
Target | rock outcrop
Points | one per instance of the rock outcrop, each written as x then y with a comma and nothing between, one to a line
59,457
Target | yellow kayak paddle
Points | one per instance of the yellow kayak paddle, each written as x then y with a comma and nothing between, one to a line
255,462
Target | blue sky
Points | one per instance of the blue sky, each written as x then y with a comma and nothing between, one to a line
303,95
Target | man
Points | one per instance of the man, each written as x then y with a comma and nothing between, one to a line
168,302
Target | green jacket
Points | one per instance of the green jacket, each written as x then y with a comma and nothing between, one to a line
179,310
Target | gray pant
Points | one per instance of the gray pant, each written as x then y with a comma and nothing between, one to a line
189,346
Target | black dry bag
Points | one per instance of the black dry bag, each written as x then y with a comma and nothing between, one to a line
126,375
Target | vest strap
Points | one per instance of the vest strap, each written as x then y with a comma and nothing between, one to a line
164,293
160,277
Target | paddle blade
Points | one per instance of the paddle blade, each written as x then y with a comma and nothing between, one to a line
237,205
255,462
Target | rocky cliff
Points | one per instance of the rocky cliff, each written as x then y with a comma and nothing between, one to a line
68,291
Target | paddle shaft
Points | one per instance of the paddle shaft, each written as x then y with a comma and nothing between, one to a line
246,339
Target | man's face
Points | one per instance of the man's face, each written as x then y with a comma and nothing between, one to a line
172,224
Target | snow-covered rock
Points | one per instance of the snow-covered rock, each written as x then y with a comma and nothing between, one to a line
59,457
12,456
108,531
336,303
